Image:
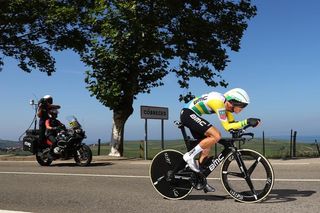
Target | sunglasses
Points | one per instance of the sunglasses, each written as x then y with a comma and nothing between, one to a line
238,104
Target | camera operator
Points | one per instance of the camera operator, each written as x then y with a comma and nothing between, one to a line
44,106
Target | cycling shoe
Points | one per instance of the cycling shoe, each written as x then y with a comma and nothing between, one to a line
192,163
208,188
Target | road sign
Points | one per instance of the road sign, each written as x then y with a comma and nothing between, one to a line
153,112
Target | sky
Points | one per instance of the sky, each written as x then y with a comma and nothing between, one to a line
278,65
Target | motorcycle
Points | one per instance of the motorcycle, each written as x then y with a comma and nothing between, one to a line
69,145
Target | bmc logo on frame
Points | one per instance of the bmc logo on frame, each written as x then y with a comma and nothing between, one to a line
216,162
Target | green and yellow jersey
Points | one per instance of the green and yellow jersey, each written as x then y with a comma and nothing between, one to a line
214,103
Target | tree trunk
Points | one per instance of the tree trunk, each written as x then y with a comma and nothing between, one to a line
118,122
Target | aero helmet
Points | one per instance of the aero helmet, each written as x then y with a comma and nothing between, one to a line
237,97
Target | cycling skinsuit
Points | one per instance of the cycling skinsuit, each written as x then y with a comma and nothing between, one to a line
213,102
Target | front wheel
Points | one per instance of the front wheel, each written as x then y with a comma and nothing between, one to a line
162,176
247,176
83,155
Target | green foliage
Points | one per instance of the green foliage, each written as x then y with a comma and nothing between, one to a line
31,29
135,41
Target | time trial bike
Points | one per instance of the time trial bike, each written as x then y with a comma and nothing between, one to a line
246,175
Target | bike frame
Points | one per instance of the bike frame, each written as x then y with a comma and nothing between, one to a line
212,162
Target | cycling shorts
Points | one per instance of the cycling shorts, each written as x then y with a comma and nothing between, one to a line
197,125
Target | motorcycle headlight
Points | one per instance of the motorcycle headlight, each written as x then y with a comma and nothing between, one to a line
74,124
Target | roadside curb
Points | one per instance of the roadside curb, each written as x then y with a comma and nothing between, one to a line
17,158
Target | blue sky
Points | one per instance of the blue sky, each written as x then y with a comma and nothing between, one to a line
278,64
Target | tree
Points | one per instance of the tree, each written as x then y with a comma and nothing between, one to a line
134,42
29,30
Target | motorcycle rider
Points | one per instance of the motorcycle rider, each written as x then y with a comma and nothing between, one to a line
44,106
53,126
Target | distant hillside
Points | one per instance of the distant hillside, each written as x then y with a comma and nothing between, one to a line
8,143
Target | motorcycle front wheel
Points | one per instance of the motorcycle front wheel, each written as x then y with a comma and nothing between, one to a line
83,155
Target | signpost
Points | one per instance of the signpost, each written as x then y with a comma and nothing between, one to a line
153,112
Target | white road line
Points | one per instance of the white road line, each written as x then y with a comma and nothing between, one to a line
277,179
70,174
149,162
287,164
291,164
8,211
141,163
141,176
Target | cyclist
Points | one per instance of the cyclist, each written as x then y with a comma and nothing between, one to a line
207,135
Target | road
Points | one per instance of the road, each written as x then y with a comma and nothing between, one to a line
124,186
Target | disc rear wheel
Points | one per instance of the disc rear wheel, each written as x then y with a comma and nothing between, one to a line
162,175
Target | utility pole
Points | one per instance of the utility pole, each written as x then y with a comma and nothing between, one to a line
35,106
294,145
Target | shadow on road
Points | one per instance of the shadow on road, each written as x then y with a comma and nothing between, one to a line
275,196
287,195
75,165
208,197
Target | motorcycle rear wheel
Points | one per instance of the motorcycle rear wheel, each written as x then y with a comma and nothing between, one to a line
83,156
43,158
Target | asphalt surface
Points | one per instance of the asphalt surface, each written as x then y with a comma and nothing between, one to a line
111,185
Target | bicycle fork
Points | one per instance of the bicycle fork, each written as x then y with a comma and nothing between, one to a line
246,174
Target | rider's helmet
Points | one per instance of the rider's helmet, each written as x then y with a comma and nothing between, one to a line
48,99
237,97
53,113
